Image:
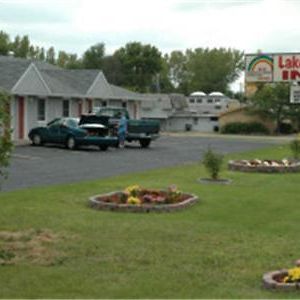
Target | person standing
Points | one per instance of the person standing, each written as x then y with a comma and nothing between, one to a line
122,130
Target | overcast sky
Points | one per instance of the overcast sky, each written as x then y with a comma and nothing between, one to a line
75,25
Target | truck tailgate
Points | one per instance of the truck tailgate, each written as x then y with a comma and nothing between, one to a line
143,126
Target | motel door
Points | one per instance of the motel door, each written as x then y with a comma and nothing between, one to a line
21,117
79,108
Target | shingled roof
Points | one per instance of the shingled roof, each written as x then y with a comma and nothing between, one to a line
57,81
11,70
69,82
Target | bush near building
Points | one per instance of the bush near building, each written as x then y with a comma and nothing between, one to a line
244,128
5,137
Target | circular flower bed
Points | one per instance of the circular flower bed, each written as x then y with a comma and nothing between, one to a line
136,199
283,279
264,165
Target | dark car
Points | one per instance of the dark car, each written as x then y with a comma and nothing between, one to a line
72,133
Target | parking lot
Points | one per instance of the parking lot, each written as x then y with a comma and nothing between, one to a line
49,165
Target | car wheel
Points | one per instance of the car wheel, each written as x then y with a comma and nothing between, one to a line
36,140
145,143
71,143
103,147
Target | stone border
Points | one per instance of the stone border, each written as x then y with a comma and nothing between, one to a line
144,208
235,165
270,282
214,181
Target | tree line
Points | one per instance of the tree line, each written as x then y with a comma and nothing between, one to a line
142,67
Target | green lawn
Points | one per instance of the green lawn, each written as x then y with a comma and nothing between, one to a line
218,248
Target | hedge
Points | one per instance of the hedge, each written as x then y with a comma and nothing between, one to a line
244,128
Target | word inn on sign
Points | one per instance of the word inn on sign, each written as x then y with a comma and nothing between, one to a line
287,67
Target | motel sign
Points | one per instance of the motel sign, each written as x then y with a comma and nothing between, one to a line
272,67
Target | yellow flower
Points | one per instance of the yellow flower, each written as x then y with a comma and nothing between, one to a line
293,275
132,190
133,200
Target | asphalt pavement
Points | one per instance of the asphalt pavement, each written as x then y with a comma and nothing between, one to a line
50,165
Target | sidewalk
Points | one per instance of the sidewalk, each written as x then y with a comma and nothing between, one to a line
280,138
21,142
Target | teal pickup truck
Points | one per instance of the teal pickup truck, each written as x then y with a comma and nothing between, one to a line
142,131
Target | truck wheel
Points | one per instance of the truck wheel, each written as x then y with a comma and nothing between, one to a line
37,140
103,147
71,143
145,143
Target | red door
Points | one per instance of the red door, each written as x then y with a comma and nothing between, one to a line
89,105
134,111
79,108
21,117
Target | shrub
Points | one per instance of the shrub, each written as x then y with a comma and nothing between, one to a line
5,137
286,128
244,128
295,148
213,163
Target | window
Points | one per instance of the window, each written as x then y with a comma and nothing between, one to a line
217,100
124,104
209,100
41,110
66,108
214,118
72,123
192,100
199,100
217,106
103,103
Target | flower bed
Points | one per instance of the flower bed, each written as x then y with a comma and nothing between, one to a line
136,199
283,279
264,165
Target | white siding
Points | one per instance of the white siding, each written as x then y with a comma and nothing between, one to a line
202,124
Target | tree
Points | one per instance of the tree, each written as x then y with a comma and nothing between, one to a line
4,43
212,70
272,101
140,65
68,61
62,59
176,62
24,47
41,54
294,115
50,56
21,46
93,57
112,69
5,134
73,62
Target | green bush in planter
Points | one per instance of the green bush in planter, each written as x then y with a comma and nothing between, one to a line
212,162
295,148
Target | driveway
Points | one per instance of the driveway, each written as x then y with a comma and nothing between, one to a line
40,166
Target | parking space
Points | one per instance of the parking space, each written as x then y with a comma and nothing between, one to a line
40,166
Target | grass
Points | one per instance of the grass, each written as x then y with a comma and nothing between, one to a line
218,248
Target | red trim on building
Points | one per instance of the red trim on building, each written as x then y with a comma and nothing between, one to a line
21,117
134,111
79,108
89,105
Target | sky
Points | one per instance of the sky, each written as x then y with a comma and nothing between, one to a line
75,25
